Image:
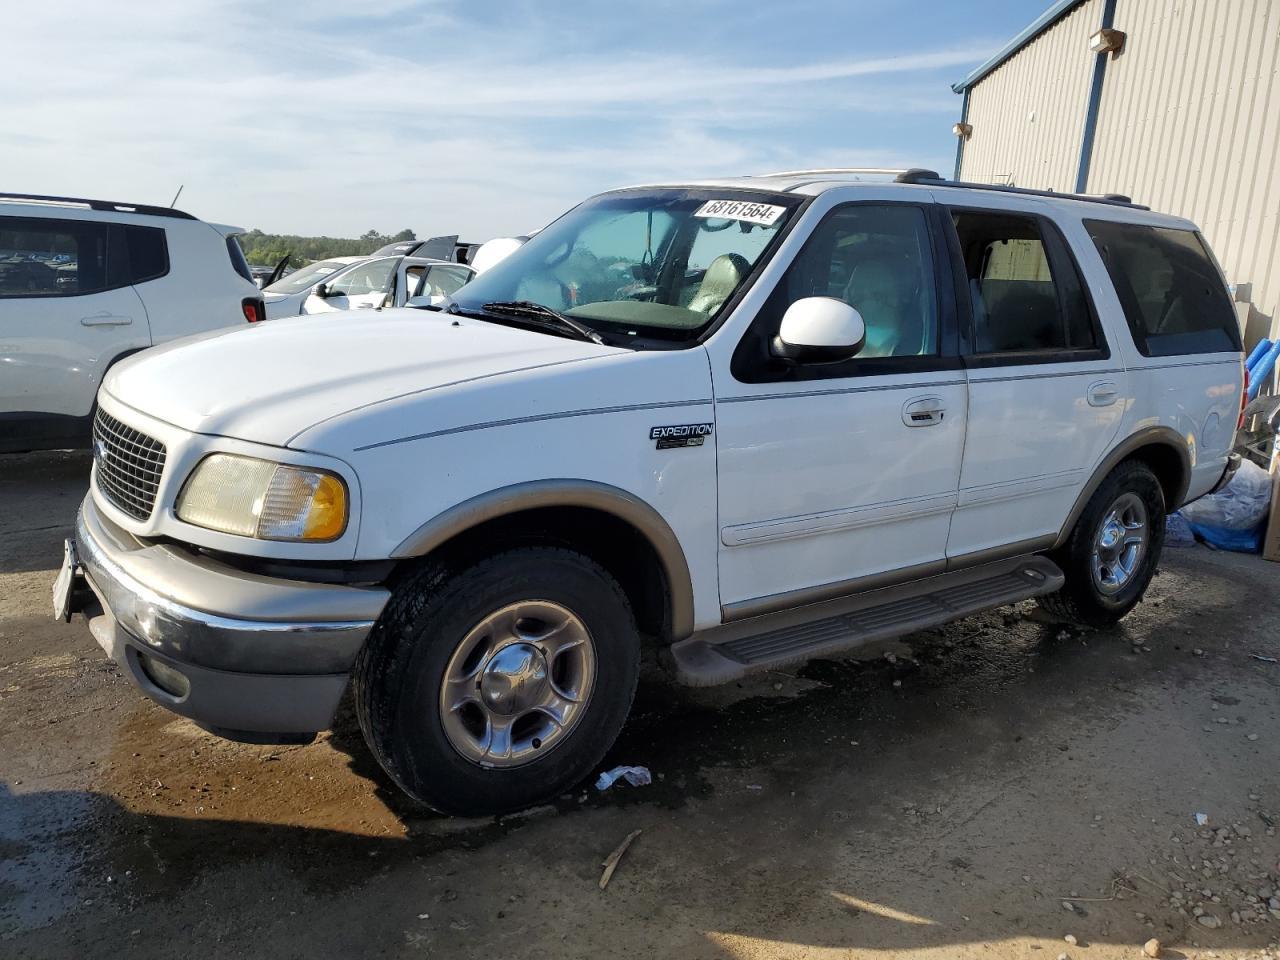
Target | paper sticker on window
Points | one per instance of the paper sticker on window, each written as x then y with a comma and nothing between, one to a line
762,213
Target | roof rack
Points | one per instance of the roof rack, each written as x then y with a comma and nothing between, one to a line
930,178
899,174
110,206
1114,199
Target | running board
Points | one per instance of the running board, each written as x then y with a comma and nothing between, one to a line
730,652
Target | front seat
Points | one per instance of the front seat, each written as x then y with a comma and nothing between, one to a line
718,283
883,290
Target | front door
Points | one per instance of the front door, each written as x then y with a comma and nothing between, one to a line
839,476
1045,395
363,287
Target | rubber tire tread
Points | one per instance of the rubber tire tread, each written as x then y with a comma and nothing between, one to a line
430,610
1079,601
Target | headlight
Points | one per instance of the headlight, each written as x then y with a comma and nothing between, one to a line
269,501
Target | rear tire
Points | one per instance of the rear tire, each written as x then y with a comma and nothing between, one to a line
1113,550
498,686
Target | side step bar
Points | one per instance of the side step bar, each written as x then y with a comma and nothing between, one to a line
727,653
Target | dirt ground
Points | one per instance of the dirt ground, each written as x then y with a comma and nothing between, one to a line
943,801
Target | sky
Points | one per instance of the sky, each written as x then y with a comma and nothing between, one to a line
479,117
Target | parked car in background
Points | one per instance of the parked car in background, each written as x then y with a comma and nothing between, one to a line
85,283
376,282
264,275
285,297
747,422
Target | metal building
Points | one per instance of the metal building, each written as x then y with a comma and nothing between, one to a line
1180,110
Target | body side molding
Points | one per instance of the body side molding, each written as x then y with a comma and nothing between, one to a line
590,494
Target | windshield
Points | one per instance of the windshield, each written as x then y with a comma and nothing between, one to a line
306,277
653,263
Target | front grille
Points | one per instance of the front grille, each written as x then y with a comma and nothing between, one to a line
129,465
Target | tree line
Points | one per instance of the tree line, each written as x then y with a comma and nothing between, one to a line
268,249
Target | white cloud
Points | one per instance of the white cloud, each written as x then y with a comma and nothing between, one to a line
314,122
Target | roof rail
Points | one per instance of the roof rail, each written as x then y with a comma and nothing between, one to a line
110,206
899,174
930,178
1113,199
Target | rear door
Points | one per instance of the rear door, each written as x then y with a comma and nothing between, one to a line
67,311
1045,394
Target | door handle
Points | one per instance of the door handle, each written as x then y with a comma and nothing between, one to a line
105,319
923,411
1103,393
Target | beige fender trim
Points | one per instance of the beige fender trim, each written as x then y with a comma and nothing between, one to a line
568,493
1151,436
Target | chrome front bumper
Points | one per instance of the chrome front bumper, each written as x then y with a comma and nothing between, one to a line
242,653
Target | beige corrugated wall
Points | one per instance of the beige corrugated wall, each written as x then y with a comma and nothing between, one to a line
1190,124
1028,116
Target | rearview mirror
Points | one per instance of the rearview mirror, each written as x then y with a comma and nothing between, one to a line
321,290
819,330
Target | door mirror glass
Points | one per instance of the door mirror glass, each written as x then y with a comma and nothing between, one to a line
820,330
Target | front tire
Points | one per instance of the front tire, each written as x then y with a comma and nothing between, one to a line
1113,550
501,685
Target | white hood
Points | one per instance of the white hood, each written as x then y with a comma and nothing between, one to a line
271,381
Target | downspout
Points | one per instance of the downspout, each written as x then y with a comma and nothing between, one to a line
1095,102
964,118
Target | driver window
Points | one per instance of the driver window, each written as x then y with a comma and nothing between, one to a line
446,281
877,259
367,278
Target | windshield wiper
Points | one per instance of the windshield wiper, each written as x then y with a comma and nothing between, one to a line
536,311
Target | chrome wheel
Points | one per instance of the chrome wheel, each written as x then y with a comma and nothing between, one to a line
1120,544
517,684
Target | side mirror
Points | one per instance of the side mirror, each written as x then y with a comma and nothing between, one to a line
321,290
819,330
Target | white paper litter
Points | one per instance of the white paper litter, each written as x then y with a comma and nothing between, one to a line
1202,819
636,776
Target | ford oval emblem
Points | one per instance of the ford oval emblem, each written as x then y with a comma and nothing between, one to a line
99,451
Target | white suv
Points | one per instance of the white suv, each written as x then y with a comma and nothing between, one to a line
749,421
85,283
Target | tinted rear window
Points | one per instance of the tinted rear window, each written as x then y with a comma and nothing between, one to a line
1173,296
42,257
148,255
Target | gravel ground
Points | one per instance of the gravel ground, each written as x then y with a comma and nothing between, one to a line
998,788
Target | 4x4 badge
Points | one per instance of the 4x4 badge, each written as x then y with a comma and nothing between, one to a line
681,435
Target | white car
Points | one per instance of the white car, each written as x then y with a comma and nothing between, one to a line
288,295
85,283
365,283
747,421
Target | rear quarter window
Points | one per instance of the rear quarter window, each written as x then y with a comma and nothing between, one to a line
1173,296
148,253
238,261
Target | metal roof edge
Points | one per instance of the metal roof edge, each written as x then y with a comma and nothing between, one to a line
1042,23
